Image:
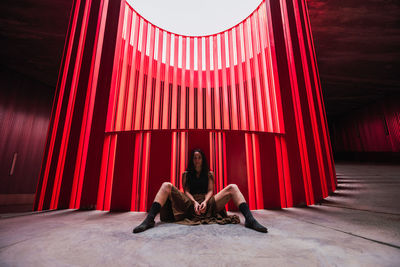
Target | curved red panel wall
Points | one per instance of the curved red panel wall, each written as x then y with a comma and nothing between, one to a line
132,100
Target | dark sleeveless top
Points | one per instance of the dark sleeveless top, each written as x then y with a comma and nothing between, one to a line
198,185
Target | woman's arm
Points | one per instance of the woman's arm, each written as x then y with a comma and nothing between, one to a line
185,188
210,186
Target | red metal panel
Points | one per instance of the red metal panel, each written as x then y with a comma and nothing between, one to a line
140,89
208,86
257,172
174,103
70,108
217,102
132,74
225,102
234,112
62,89
159,167
190,110
317,91
244,124
174,155
136,174
144,171
182,158
182,108
157,98
89,103
110,173
250,170
125,58
263,99
298,115
200,110
103,173
149,89
253,120
122,182
272,68
166,102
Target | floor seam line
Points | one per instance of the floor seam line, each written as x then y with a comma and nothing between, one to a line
388,213
349,233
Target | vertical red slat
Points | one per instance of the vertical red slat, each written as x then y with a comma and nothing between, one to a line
174,103
270,108
103,173
257,171
123,79
234,114
244,123
149,88
212,153
286,173
272,65
183,110
139,101
249,96
280,169
250,171
208,86
135,176
174,144
224,166
157,98
183,157
145,171
217,101
166,103
225,101
116,76
200,84
191,111
132,75
262,99
110,173
220,160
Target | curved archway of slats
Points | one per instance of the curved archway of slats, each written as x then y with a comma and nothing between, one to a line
133,99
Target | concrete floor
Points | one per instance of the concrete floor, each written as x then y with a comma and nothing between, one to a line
357,226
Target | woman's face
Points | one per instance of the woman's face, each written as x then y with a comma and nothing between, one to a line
197,160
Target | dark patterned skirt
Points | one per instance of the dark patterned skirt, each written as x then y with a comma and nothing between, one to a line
179,209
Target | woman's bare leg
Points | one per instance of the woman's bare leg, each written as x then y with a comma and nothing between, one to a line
163,193
229,192
232,191
159,201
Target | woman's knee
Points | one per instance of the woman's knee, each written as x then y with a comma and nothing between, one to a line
166,186
232,188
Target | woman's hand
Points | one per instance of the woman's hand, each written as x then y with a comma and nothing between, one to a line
203,207
197,208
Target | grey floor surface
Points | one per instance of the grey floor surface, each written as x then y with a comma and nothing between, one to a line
359,225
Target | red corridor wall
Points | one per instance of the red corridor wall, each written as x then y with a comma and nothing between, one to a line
132,100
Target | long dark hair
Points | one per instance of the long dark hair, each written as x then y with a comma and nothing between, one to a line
191,169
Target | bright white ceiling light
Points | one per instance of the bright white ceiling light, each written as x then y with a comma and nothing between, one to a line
194,17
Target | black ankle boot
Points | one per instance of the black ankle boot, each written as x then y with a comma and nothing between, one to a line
251,222
149,221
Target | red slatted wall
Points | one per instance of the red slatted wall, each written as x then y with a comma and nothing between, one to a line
134,100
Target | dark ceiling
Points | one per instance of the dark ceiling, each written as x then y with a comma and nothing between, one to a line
356,42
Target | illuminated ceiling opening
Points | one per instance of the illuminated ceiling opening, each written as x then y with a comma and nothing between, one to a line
194,18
